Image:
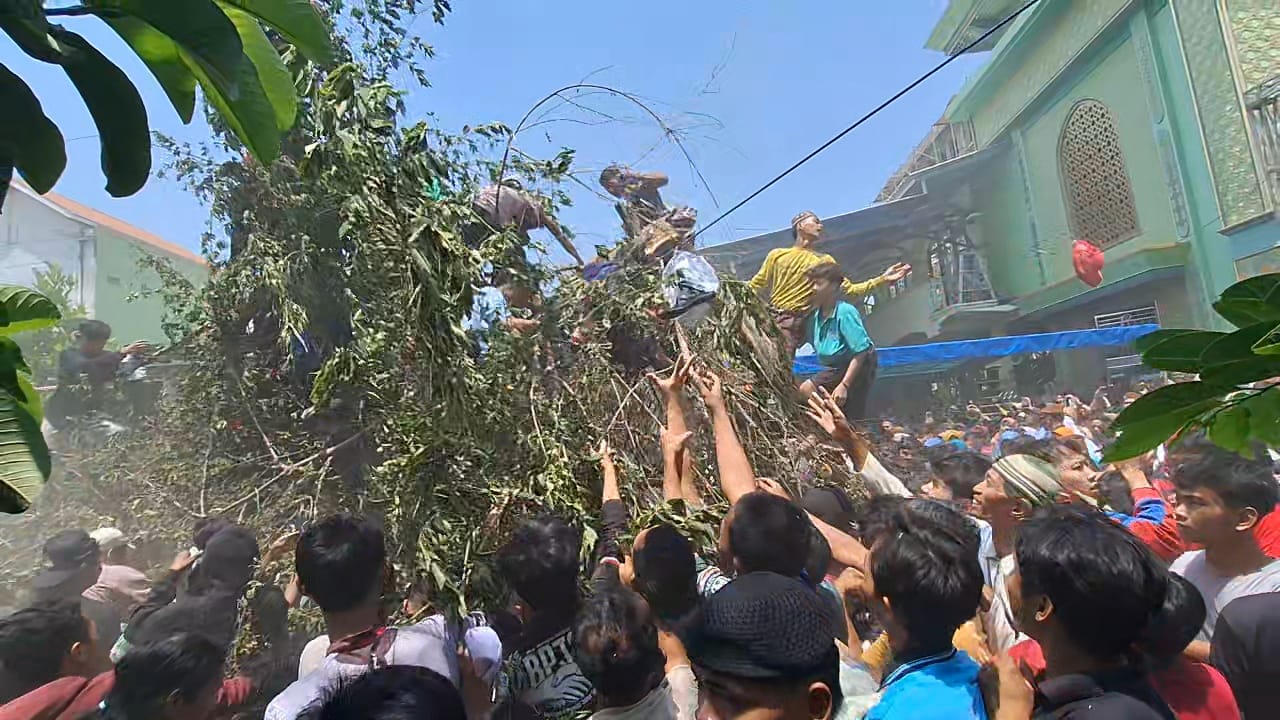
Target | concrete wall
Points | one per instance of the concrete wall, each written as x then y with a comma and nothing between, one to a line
120,275
34,235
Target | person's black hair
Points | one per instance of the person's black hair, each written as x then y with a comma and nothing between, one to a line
1178,622
1115,492
94,330
395,692
340,561
961,472
935,453
819,559
1027,445
206,528
1241,482
1071,445
616,646
664,572
1105,585
213,615
182,666
769,534
830,272
610,174
34,642
541,562
927,566
874,519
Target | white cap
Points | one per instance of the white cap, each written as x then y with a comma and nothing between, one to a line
108,538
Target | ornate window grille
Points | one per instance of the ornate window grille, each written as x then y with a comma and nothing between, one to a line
1099,195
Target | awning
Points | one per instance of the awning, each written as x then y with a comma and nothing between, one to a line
958,350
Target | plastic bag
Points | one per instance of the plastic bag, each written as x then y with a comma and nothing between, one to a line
689,282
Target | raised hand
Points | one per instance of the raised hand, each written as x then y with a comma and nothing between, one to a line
672,385
605,451
896,272
711,388
825,410
772,487
674,443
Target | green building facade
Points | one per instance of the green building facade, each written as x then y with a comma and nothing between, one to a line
1148,127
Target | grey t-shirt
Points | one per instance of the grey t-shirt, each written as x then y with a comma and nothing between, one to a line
508,206
1218,590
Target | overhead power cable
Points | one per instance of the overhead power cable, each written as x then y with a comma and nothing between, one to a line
995,28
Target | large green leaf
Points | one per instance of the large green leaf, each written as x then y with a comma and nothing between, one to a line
160,54
117,111
245,108
199,27
28,138
1264,415
1269,344
274,77
1243,312
1252,300
1167,400
1264,287
32,402
11,363
33,36
298,21
1241,372
1140,436
25,464
1230,428
1151,339
1181,351
1236,346
25,309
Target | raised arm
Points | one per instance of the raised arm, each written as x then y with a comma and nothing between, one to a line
562,237
676,433
613,521
736,476
894,273
824,411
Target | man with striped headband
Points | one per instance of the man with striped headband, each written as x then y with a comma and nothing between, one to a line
785,276
1012,488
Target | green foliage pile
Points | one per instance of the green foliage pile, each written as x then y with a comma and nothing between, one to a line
1223,400
330,368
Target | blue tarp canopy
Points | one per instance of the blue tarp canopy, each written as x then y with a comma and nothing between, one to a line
950,353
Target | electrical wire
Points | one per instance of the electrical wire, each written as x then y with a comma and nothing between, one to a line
867,116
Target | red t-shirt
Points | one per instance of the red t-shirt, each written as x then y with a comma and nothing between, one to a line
1195,691
1267,533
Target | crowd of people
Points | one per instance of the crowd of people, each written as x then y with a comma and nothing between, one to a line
1007,575
995,568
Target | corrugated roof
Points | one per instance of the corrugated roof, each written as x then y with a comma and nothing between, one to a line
97,217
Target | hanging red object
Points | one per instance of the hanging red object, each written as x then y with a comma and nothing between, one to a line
1088,260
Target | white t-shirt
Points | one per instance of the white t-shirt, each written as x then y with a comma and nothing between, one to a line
675,698
997,622
429,644
1218,590
313,656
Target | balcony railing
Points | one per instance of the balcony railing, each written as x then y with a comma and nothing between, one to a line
1263,105
945,141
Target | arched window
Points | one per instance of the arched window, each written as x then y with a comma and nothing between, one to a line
1095,181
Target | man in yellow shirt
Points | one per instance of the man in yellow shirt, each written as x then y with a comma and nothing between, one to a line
785,274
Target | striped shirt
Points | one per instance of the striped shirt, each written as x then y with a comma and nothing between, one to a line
785,273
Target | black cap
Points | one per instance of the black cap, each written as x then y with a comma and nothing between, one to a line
831,505
765,626
68,553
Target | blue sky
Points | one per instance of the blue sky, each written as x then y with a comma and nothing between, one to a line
750,86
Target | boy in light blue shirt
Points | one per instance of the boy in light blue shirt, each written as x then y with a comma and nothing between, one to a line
924,582
841,344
